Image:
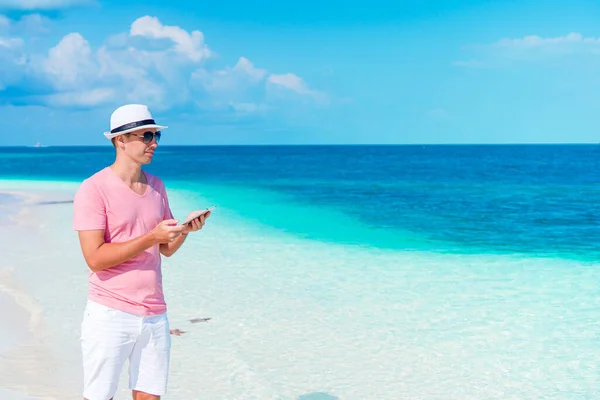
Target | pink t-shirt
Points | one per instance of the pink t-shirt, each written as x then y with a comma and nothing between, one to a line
104,201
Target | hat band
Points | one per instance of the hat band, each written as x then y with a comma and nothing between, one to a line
132,125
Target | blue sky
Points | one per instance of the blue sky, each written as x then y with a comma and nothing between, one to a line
241,72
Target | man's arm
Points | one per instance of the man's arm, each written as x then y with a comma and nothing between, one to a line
168,249
100,255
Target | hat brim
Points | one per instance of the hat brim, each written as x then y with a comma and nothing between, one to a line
109,135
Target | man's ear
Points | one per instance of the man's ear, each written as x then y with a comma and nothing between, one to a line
118,141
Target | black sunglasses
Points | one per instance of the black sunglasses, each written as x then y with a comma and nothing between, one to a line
148,136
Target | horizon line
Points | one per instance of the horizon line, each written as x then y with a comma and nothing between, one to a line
319,144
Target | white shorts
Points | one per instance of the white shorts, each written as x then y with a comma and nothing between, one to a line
109,337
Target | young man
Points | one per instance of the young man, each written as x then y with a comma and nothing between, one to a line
125,224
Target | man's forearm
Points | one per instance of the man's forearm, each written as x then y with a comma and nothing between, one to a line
110,254
168,249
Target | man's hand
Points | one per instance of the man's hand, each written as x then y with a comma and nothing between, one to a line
177,234
195,224
167,231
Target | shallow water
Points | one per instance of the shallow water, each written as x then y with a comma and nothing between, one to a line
294,315
525,199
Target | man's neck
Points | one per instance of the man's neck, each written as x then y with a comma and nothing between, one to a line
129,171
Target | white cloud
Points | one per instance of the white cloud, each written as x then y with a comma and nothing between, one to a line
242,76
33,24
142,76
41,4
27,25
291,82
240,88
146,91
531,48
70,62
118,64
10,43
190,44
245,66
163,66
537,41
136,74
294,83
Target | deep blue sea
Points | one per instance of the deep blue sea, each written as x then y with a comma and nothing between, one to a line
534,199
362,272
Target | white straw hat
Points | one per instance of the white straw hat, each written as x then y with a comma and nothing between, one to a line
129,118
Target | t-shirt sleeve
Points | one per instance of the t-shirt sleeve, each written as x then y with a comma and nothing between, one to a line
167,214
89,210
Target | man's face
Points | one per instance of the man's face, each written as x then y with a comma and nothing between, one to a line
137,146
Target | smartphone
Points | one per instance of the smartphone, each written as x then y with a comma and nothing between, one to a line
197,214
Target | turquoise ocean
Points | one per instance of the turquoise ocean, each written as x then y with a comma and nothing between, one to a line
385,272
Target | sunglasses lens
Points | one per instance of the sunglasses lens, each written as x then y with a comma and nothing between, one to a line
149,135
